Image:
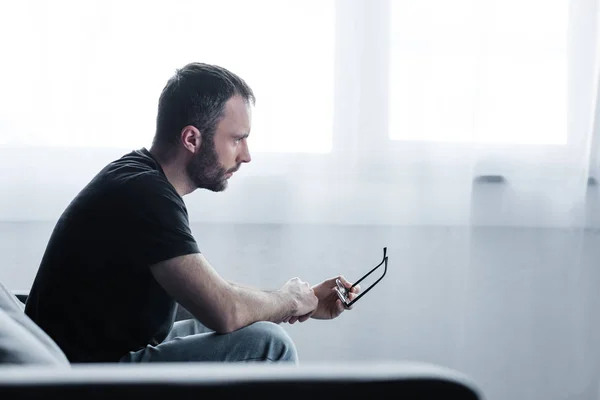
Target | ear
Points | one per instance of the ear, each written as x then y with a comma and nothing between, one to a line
191,138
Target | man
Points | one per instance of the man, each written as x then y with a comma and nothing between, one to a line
122,254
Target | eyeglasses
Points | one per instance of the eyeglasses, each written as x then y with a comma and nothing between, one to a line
343,292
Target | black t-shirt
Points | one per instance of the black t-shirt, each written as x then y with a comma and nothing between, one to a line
94,293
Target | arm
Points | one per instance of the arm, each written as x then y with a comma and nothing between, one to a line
224,307
243,286
235,284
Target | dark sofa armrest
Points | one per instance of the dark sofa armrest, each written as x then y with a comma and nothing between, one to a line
358,380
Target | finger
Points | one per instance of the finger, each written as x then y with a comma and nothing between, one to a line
355,289
340,307
346,283
351,297
304,317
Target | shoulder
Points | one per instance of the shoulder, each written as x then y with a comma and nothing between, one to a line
137,166
138,176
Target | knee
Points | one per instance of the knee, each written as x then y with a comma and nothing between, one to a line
272,342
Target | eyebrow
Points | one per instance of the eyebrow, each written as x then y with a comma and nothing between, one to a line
241,136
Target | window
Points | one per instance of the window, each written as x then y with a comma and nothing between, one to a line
87,73
487,71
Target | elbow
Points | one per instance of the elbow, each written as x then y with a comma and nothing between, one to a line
222,320
228,313
221,324
225,330
229,320
224,327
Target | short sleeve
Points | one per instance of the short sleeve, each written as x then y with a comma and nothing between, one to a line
157,221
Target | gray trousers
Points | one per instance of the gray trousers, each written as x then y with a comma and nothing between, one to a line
189,340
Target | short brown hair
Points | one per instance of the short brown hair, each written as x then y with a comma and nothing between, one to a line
196,95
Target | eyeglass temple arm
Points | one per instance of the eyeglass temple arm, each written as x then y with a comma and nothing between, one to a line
370,287
371,271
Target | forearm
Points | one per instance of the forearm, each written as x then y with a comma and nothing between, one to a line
238,285
218,304
251,305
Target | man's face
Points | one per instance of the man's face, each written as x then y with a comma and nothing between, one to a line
223,154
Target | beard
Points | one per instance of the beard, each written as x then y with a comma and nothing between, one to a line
206,171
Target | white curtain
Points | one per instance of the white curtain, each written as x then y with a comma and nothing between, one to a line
426,101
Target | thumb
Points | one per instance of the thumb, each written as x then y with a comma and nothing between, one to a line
305,317
346,283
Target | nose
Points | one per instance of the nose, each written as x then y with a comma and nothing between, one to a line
245,153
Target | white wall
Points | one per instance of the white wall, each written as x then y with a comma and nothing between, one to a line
366,179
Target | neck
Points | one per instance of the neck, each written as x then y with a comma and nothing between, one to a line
174,168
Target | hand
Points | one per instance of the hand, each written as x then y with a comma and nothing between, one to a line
330,306
302,296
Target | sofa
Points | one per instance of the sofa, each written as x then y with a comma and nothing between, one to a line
33,366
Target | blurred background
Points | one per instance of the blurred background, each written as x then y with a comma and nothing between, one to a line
462,135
